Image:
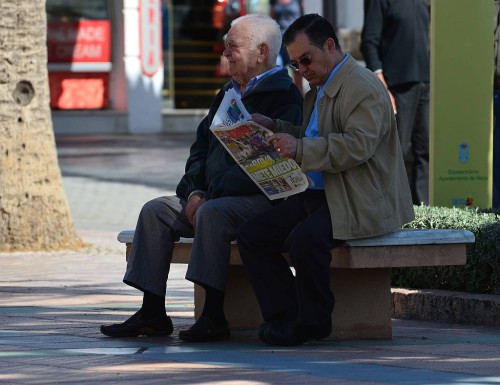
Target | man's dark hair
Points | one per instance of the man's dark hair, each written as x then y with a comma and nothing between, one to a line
316,27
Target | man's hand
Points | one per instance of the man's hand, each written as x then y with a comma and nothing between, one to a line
381,77
264,121
285,144
193,204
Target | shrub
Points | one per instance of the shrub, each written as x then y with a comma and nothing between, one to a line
481,273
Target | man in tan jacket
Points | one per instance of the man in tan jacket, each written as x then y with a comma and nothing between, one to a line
350,149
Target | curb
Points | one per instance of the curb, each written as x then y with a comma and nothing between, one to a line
447,306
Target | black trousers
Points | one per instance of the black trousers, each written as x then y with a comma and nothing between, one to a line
412,102
302,227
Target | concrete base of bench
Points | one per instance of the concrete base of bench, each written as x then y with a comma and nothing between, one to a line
360,278
362,308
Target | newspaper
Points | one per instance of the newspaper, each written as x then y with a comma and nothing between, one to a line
231,110
247,143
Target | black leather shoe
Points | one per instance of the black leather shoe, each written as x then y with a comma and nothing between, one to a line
286,333
206,330
137,325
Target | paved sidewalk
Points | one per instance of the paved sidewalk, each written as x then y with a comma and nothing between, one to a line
108,178
53,303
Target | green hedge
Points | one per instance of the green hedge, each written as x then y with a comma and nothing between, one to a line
481,274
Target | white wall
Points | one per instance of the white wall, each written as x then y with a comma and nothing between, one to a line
313,6
144,98
350,14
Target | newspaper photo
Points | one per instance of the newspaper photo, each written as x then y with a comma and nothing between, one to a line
247,143
231,110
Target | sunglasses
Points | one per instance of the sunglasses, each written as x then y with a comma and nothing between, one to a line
304,60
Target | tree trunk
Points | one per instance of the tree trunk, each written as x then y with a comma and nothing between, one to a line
34,212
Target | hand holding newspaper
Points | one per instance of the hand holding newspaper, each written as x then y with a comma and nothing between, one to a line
247,143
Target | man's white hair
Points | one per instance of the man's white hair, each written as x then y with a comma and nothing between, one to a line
262,29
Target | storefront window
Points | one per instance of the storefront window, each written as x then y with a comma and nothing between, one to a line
75,10
79,53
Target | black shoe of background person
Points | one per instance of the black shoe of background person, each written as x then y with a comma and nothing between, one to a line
206,330
292,333
139,326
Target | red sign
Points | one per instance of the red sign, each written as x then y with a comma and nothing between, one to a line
150,36
86,41
70,90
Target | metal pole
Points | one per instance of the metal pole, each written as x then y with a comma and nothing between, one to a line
330,11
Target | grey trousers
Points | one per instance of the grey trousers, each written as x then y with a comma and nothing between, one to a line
162,221
412,102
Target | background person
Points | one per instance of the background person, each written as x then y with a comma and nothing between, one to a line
395,45
285,12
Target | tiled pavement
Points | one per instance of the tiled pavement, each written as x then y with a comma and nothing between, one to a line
53,303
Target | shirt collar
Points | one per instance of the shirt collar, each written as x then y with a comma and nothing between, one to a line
253,81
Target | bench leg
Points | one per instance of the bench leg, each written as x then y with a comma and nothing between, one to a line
363,304
362,308
240,305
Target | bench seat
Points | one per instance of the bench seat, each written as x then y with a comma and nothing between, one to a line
360,278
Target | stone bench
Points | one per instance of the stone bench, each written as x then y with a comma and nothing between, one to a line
360,278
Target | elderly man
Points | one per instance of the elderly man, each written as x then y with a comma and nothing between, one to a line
213,197
350,149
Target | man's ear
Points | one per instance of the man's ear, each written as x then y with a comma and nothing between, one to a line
263,52
330,45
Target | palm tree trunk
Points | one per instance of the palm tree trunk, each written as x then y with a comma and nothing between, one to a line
34,212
